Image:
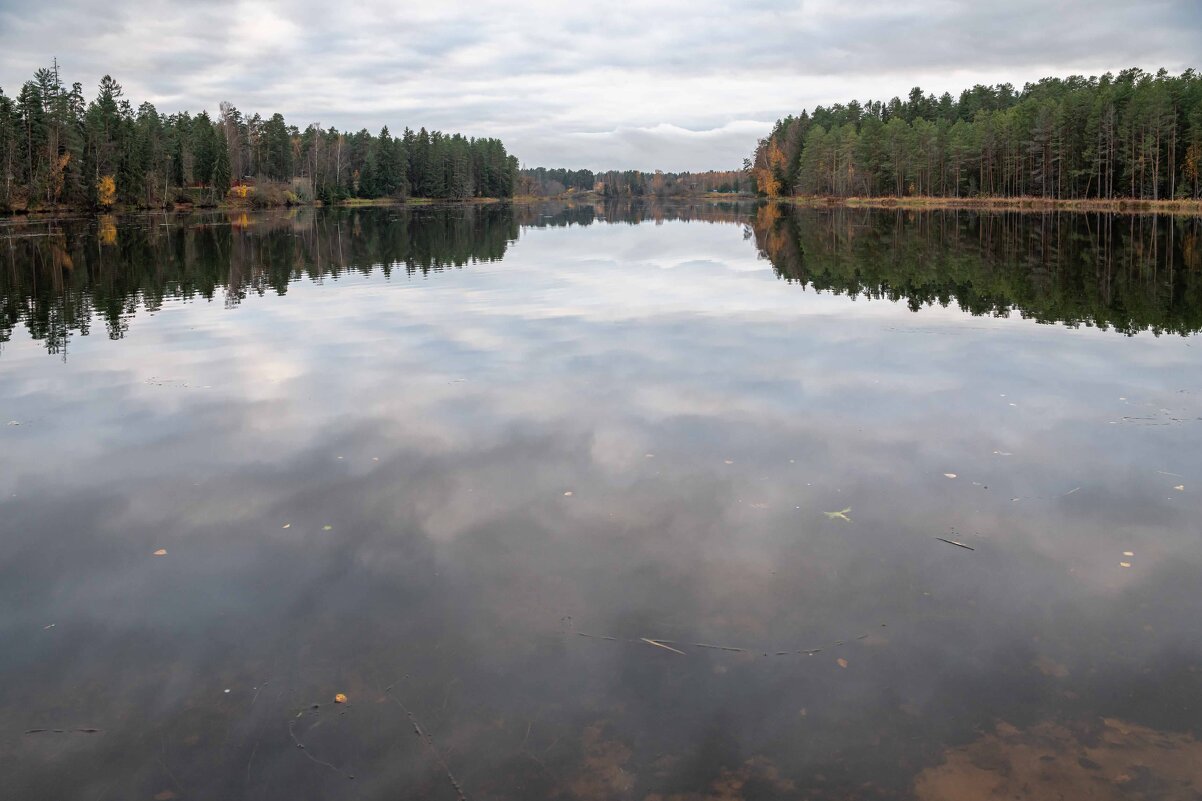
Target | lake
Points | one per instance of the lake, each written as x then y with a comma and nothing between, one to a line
669,503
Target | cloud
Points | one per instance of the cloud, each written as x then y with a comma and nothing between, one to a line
675,85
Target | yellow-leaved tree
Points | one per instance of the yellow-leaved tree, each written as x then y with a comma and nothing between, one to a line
106,191
770,163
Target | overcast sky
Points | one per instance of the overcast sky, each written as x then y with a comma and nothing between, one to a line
688,84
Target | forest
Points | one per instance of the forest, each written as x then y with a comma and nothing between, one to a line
57,149
1135,135
543,182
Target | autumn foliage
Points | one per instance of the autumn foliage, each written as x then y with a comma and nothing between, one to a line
106,191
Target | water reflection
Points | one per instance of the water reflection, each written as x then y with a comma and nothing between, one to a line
1130,272
1126,272
421,493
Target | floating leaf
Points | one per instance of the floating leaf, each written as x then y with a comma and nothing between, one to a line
287,525
1180,488
340,698
839,515
1128,553
568,494
161,552
841,662
949,475
327,528
1124,564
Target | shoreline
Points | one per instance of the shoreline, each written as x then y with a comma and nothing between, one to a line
353,203
1190,208
1032,205
593,196
183,208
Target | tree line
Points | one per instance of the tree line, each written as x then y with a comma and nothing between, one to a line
56,149
545,182
1134,135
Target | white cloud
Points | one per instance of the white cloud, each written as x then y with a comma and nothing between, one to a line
676,85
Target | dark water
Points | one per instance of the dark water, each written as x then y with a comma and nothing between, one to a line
415,456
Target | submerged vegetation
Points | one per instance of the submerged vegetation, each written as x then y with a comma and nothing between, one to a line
1132,135
58,150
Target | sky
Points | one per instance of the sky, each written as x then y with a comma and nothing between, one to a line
674,85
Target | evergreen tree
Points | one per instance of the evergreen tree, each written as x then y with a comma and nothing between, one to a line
1100,137
221,166
56,147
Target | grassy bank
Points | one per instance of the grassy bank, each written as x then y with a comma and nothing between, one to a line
1192,208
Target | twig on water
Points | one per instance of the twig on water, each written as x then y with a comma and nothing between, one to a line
957,544
305,751
428,741
661,645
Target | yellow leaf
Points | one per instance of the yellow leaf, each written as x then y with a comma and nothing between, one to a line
340,699
841,662
161,552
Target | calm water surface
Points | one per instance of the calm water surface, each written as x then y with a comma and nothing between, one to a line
601,503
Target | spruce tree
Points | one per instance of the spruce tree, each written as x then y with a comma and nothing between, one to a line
221,166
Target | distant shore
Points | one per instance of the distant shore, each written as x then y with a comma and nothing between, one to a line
593,196
1190,208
